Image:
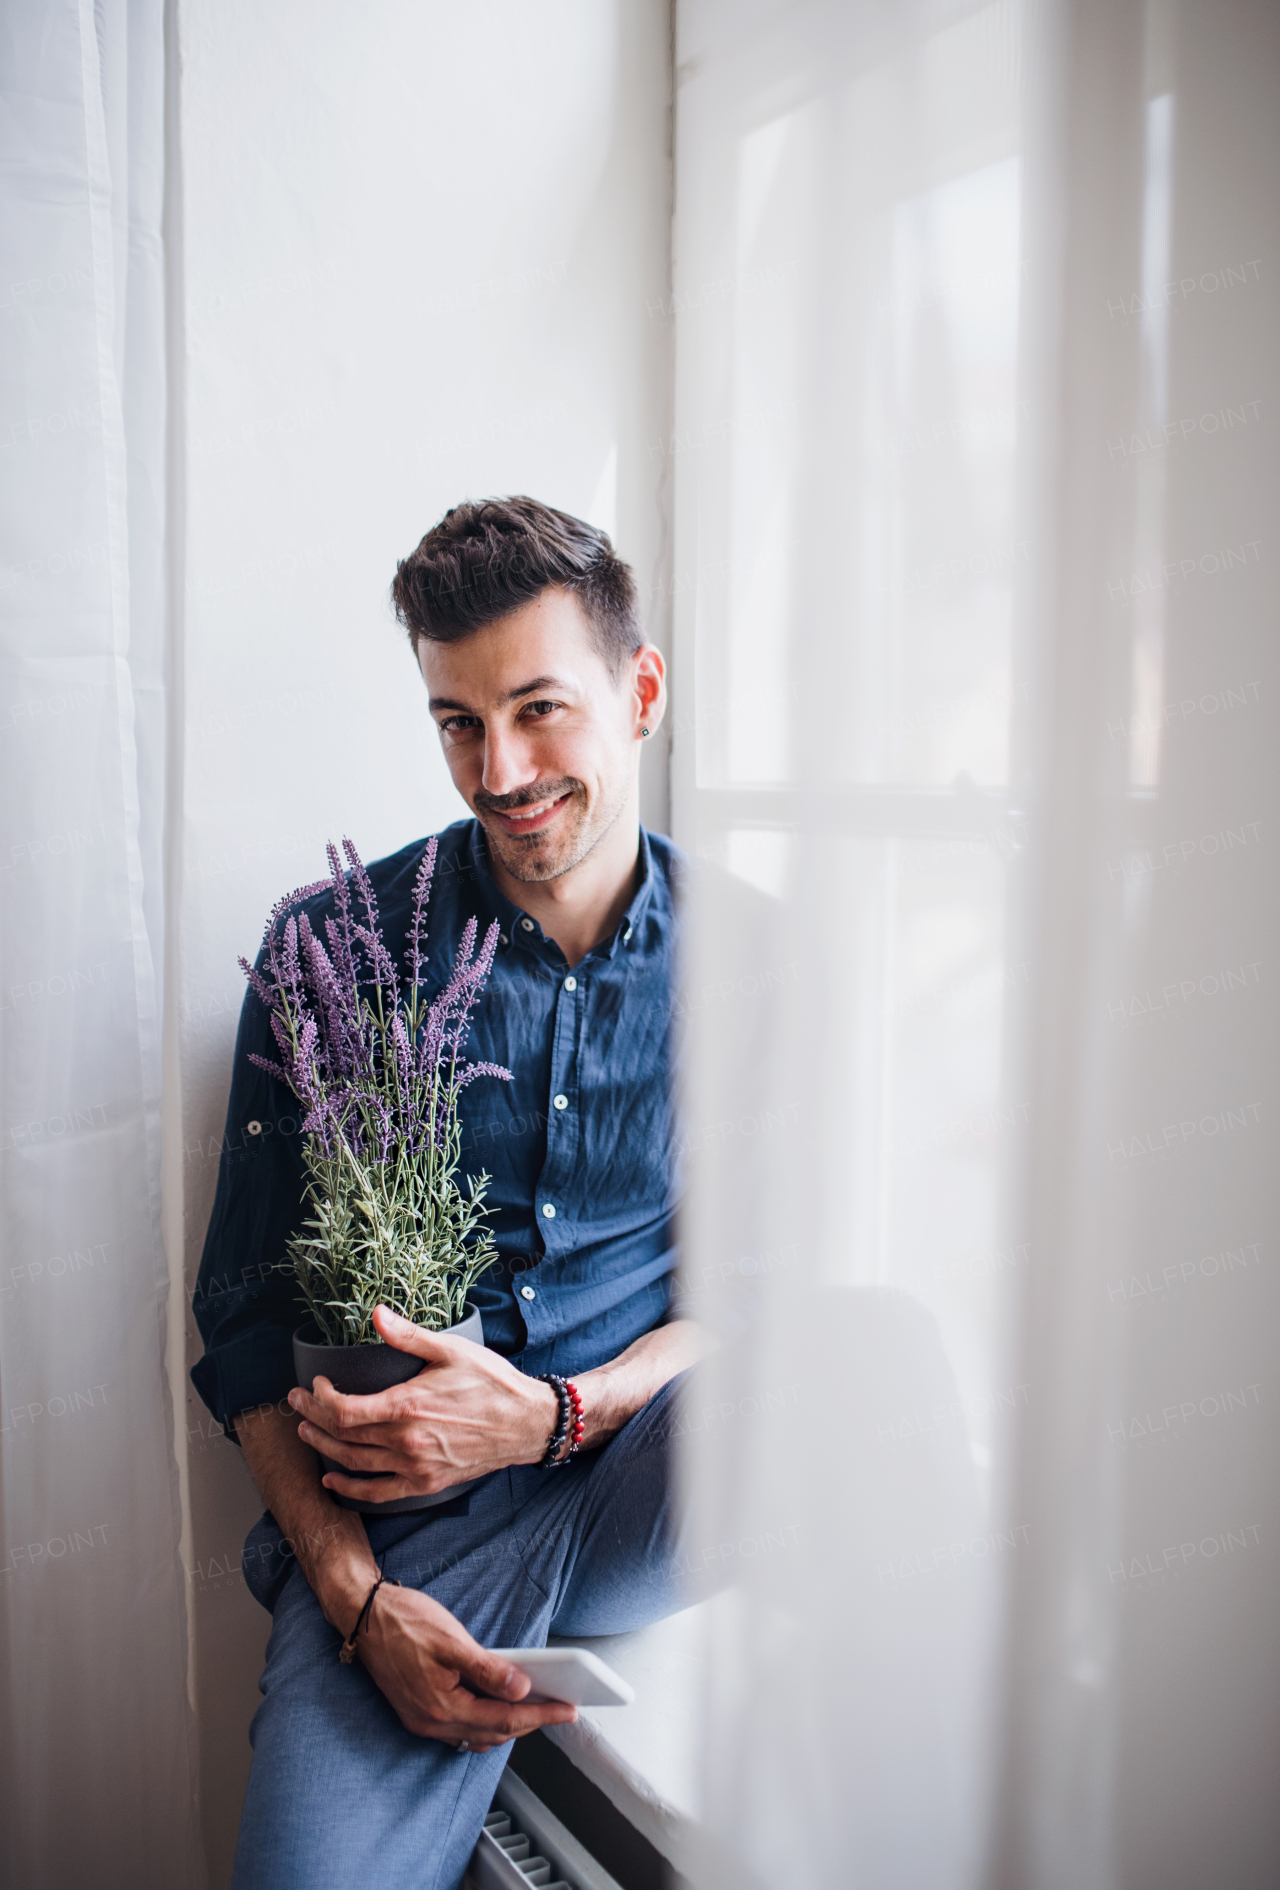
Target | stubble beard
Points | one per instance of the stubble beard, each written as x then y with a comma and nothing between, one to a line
538,857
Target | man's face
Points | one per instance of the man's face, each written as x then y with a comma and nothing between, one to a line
540,739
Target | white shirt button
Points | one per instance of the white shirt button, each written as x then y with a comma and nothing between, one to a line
571,984
559,1102
503,939
254,1128
626,935
548,1211
527,924
527,1292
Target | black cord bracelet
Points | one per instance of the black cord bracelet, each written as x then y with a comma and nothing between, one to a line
347,1652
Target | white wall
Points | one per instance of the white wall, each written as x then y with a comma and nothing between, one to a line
423,257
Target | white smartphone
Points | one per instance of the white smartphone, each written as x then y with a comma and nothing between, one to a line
568,1674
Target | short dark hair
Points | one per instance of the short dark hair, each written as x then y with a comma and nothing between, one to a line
487,557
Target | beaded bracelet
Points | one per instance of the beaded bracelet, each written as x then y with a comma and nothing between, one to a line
569,1421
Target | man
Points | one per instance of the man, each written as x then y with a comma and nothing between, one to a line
379,1772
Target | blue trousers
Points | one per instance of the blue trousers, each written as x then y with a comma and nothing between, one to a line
340,1796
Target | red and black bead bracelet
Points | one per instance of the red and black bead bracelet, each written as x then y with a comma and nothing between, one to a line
568,1420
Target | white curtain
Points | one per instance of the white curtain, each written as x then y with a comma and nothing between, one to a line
975,475
96,1783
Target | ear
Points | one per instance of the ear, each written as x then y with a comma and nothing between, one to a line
648,688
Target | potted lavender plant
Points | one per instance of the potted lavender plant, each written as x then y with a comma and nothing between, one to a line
379,1070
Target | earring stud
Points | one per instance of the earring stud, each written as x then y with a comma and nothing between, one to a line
644,731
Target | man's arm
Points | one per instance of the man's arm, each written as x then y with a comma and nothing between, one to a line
469,1412
329,1543
466,1413
434,1674
613,1393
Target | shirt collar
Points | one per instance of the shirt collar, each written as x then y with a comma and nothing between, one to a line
511,918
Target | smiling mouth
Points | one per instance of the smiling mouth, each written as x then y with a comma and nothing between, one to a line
524,820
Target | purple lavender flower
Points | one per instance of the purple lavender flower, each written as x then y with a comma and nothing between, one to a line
379,1068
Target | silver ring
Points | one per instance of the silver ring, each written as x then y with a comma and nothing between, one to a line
462,1746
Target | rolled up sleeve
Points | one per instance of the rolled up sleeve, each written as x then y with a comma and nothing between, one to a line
246,1301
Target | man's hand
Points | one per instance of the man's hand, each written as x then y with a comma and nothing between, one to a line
426,1663
440,1682
467,1412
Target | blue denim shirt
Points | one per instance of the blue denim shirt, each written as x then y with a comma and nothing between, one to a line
579,1147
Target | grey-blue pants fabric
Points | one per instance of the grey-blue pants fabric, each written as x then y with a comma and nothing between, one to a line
340,1796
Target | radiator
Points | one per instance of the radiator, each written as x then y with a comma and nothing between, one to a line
524,1844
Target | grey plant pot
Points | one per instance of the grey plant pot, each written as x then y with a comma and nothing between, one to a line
359,1370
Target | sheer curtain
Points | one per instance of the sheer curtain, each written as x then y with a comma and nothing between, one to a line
976,330
97,1779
